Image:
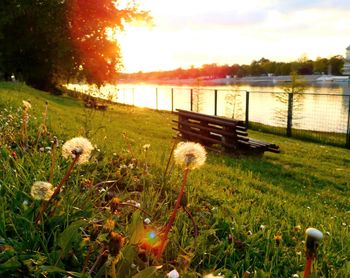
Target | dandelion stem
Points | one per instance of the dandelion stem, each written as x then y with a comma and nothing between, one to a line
57,190
173,215
169,159
53,158
307,269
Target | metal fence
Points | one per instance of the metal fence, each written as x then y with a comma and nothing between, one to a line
323,118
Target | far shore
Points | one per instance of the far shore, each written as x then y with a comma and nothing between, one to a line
251,80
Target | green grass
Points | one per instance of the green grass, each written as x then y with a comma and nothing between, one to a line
230,198
329,138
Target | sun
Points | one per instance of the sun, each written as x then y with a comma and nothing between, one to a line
143,49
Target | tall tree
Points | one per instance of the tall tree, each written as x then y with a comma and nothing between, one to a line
46,42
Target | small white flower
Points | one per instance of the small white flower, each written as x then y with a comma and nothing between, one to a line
190,155
147,221
295,275
146,147
262,227
173,274
42,149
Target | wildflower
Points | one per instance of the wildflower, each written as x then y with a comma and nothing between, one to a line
26,105
297,228
147,221
115,202
262,227
295,275
173,274
189,154
116,243
109,225
77,146
249,233
42,190
278,238
146,147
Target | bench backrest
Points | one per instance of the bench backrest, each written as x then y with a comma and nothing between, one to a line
211,130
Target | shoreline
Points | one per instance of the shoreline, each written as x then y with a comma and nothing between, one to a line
250,80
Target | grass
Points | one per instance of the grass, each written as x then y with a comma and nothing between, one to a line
329,138
240,204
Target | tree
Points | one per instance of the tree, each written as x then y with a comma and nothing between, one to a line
46,42
337,63
294,103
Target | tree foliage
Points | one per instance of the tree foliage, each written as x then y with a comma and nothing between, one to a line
262,67
47,42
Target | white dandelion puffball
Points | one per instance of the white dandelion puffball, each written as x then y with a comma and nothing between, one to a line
42,190
189,154
314,234
77,145
26,105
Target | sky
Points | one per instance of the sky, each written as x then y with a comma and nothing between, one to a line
189,33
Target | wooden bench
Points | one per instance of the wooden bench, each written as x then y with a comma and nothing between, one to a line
219,134
92,103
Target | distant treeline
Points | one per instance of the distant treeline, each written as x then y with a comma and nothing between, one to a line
302,66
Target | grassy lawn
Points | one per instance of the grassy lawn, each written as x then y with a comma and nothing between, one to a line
251,212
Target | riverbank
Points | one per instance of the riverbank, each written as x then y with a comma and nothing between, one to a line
250,80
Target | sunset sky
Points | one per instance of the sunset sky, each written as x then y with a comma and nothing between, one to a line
196,32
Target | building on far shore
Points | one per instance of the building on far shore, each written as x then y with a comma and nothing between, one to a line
346,68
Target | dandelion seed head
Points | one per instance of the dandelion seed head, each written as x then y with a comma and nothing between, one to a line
314,234
190,155
26,105
42,190
77,146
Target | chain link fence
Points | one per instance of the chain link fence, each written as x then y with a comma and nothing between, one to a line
323,118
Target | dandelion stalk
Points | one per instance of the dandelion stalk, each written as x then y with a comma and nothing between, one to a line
169,159
42,128
190,156
53,157
57,189
313,236
307,269
25,119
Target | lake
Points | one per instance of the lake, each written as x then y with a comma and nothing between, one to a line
322,106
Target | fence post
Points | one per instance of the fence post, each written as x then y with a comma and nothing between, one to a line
215,102
133,96
290,114
191,99
348,130
247,109
156,98
172,99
